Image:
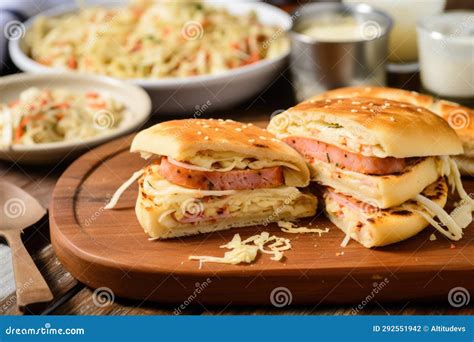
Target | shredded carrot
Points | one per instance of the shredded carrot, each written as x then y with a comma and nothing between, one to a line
136,47
21,128
254,57
72,63
63,105
92,94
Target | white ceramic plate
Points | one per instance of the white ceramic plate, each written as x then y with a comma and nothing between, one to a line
188,94
136,101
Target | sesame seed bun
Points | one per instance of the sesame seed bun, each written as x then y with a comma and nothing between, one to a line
370,126
460,118
183,139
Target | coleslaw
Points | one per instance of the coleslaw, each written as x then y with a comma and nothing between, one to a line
53,115
149,39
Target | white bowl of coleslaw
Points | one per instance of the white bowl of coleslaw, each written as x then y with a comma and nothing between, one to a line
48,118
188,95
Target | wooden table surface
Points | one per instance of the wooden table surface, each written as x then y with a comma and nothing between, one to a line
73,298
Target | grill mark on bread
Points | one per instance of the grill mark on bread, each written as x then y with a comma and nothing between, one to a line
435,191
401,212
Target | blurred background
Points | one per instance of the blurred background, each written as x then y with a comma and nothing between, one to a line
402,46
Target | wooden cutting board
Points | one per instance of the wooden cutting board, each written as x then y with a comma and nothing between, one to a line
108,248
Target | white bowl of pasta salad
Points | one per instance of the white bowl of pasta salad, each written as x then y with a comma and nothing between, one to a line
48,118
184,54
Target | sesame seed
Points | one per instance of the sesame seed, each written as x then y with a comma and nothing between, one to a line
216,129
418,109
220,120
199,133
229,120
275,139
250,124
363,107
328,100
262,137
387,104
238,129
354,110
371,104
355,102
339,101
244,126
206,138
312,101
326,106
251,140
206,126
392,119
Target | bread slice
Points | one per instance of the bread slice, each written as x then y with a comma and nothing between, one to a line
199,141
460,118
370,126
382,191
166,211
381,227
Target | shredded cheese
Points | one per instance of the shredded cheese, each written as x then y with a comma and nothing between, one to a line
165,214
198,168
246,251
122,188
434,208
446,232
276,248
228,163
291,228
162,187
346,240
450,170
460,217
458,183
462,214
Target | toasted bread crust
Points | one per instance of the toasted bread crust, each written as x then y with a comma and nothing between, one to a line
394,128
460,118
387,226
182,139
